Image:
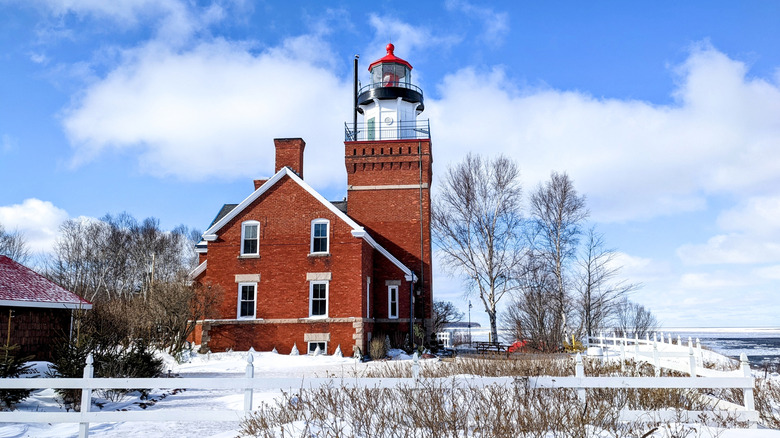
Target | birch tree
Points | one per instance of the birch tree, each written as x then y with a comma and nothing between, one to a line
476,223
557,212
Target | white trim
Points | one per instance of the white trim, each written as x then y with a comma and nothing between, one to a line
311,298
408,274
44,304
245,224
254,300
195,273
390,302
323,351
357,230
390,187
318,276
327,236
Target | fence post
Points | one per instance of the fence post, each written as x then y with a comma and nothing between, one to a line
636,346
250,373
679,341
579,371
655,359
601,341
747,392
415,368
691,358
623,355
86,396
700,354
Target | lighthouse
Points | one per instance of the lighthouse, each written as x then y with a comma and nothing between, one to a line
390,103
388,160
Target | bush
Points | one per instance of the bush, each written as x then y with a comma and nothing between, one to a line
69,361
12,366
377,349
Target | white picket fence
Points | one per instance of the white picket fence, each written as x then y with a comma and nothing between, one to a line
249,383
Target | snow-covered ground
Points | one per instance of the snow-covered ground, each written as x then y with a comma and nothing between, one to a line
219,365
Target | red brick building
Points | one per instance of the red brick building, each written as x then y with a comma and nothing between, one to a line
34,312
294,268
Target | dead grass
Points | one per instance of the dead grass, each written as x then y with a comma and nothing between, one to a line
449,408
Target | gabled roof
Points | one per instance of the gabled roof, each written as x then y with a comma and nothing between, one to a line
20,286
357,231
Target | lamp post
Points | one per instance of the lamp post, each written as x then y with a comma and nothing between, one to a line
469,323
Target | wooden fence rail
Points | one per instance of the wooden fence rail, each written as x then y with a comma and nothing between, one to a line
249,383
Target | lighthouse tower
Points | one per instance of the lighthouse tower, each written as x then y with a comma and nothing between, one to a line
388,160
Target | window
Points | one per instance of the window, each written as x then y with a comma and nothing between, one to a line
392,302
370,128
318,299
320,230
323,347
250,231
247,294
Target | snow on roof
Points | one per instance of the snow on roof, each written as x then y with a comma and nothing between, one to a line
20,286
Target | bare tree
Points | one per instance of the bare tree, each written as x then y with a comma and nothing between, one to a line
14,246
633,319
557,213
476,225
599,291
135,273
444,312
531,316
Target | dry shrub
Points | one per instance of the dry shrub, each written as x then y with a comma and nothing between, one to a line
450,408
767,399
444,407
377,349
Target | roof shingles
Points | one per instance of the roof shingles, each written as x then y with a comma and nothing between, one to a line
21,286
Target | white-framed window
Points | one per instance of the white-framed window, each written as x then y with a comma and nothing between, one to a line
314,344
392,302
250,238
320,236
247,300
318,299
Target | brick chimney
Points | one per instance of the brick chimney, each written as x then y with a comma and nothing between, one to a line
289,152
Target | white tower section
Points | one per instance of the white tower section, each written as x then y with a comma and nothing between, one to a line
390,104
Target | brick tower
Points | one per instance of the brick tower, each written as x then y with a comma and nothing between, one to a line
388,159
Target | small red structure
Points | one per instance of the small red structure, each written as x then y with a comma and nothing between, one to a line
34,312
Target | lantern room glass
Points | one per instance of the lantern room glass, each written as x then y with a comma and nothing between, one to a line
391,74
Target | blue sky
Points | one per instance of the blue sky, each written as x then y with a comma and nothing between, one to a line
666,114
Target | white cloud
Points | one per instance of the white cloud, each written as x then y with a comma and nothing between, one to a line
496,24
189,119
411,41
759,215
752,235
8,143
178,20
37,220
633,159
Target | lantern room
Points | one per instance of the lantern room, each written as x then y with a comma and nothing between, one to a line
390,103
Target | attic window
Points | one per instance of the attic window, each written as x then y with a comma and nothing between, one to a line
320,233
250,230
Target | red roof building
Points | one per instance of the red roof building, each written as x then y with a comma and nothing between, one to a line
39,310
